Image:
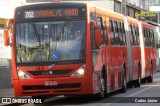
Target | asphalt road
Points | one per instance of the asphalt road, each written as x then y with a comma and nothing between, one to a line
138,97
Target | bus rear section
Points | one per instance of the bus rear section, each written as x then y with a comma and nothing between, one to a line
148,51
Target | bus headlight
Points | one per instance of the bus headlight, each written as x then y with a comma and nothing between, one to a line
23,75
79,72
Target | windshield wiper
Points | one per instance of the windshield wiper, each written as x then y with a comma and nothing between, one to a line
62,29
36,33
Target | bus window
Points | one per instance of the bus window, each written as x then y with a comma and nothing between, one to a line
138,41
131,35
112,32
92,30
120,34
116,33
124,34
105,32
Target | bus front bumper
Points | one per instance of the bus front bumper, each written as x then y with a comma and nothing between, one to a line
53,86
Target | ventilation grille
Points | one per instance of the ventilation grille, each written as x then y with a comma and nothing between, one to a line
49,72
60,86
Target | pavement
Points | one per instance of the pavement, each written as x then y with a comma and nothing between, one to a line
158,68
8,92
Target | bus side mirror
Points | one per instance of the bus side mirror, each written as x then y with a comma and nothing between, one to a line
7,26
6,37
98,37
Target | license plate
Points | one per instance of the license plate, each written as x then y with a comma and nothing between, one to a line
50,83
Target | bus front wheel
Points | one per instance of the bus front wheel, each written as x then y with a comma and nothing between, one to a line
124,86
102,94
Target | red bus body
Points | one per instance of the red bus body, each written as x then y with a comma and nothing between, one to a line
115,59
148,48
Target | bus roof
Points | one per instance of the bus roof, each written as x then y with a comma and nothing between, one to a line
144,24
50,5
132,20
109,13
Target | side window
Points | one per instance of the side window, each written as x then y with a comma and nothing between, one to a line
137,36
131,35
101,26
111,25
123,34
93,43
145,37
116,26
148,39
143,31
105,32
134,35
116,33
120,27
120,33
153,39
112,32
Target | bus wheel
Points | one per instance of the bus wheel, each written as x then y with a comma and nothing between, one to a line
102,94
138,81
150,78
124,86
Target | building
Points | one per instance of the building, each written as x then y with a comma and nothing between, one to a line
6,12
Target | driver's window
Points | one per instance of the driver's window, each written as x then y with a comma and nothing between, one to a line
92,30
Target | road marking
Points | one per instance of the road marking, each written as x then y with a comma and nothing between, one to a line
142,90
150,85
114,101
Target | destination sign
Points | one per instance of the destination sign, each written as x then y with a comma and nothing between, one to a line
69,12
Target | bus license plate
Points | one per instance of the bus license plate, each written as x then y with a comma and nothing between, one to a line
50,83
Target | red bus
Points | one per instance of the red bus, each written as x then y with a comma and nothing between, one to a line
77,49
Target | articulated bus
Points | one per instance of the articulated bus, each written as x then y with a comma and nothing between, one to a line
78,49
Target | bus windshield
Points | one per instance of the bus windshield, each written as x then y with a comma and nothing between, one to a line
50,41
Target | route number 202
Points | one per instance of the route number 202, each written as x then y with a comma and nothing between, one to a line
29,14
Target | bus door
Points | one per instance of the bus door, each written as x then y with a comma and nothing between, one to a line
101,49
104,50
98,45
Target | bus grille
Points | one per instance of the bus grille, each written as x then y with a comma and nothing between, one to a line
49,72
60,86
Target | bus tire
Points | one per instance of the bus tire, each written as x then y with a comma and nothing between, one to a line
138,81
124,86
150,78
102,94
